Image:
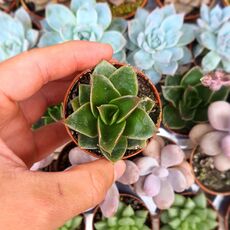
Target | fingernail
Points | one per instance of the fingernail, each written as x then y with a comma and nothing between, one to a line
119,169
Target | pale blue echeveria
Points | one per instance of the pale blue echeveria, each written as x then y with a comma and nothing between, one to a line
213,35
84,20
158,40
16,34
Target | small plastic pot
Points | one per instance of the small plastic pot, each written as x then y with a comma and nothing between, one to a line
200,184
84,78
127,199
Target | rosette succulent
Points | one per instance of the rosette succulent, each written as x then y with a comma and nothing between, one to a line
163,170
16,35
213,36
73,224
158,40
187,100
109,115
189,213
214,138
125,218
85,20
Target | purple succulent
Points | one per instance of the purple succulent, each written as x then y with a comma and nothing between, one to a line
163,171
214,138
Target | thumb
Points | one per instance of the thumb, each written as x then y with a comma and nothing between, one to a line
69,193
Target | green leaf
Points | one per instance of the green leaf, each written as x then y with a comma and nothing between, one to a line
136,144
191,97
128,211
84,93
87,142
164,217
125,80
212,224
112,221
200,200
146,104
220,95
55,112
139,125
83,121
184,213
126,105
172,119
100,225
141,213
186,113
173,80
211,214
173,94
201,115
192,77
204,93
173,212
102,92
75,103
109,135
118,151
179,200
202,213
104,68
108,113
175,223
190,204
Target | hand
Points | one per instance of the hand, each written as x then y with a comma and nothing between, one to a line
29,83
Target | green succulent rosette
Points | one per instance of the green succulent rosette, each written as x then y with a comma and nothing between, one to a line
108,115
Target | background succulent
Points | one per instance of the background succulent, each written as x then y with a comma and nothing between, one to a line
214,138
189,213
113,119
187,100
85,20
158,40
125,218
213,36
16,35
163,170
73,224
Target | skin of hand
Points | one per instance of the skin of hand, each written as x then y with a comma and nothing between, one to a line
29,83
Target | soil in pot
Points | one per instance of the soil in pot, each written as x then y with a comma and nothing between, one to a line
208,175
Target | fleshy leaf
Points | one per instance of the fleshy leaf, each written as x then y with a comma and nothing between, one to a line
173,94
75,103
86,15
220,95
125,81
126,105
186,113
146,104
201,115
109,135
152,185
200,200
78,157
146,165
204,93
191,97
153,149
108,113
136,144
83,121
84,93
192,77
98,96
177,180
104,16
104,68
210,61
87,142
173,80
118,24
139,125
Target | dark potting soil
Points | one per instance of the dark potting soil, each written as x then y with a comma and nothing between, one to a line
128,200
210,177
144,90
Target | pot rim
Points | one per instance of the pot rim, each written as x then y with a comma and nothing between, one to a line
203,187
79,76
227,218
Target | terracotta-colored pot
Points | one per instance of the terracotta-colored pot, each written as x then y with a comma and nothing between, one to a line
149,221
76,81
226,2
190,16
201,185
11,7
227,218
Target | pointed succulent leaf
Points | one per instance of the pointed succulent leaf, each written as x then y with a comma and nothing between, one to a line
191,97
146,165
118,24
104,68
126,105
204,93
84,93
76,4
87,142
200,200
125,80
136,144
201,115
108,113
139,125
75,103
179,200
220,95
186,113
173,94
83,121
192,77
128,211
98,96
173,80
152,185
146,104
210,61
86,15
104,15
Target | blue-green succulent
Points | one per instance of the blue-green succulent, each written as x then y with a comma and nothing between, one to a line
213,36
158,41
84,20
16,34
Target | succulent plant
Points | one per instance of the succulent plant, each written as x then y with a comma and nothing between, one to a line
119,2
163,170
214,138
187,100
158,40
125,218
73,224
16,35
213,36
108,114
85,20
189,213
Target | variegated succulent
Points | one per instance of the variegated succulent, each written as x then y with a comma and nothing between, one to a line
214,138
85,20
108,115
158,41
163,170
16,34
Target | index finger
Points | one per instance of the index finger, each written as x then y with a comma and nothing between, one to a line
25,74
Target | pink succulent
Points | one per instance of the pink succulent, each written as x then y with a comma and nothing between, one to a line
163,171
